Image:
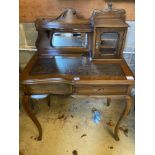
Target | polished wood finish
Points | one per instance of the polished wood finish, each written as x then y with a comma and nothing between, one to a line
75,71
110,21
101,90
68,21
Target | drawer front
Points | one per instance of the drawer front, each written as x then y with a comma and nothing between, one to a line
101,90
50,89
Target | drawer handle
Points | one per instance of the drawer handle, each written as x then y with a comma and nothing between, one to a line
99,89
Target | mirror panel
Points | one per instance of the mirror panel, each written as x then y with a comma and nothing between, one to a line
63,39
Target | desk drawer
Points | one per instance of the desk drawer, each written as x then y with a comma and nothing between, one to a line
101,90
50,88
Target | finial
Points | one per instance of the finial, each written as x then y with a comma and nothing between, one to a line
70,10
110,6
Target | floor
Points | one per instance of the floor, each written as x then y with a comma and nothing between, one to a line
69,128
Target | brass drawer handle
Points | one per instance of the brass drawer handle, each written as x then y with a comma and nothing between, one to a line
99,89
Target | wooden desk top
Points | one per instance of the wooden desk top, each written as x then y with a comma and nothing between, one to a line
75,68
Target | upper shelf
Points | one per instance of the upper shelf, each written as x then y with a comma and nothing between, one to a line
69,19
109,17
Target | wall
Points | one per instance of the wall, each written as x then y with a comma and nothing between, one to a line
30,10
129,50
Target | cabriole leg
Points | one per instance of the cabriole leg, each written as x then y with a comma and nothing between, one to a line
123,115
27,108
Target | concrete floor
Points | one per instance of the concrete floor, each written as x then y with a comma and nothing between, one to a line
68,128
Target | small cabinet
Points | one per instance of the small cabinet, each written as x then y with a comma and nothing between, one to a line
109,33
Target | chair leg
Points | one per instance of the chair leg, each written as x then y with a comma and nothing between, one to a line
31,115
123,115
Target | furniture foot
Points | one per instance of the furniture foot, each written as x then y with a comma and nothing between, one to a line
31,115
123,115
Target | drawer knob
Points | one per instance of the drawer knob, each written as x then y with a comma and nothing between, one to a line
99,89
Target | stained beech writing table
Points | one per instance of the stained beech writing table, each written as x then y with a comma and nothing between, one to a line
91,65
